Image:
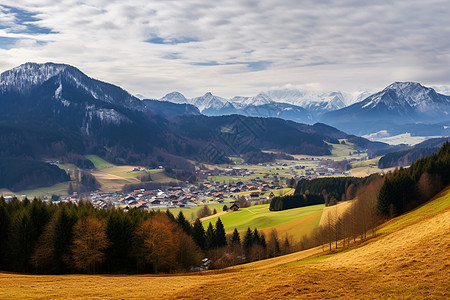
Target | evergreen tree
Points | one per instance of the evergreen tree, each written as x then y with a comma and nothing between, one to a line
225,208
221,239
119,230
21,240
210,237
256,237
183,223
235,238
198,234
62,236
4,228
170,215
248,239
263,241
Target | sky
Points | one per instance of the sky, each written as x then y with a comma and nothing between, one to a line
230,48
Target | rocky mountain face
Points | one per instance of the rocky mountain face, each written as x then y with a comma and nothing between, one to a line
54,110
398,104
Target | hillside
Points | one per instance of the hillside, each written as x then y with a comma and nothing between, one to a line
408,259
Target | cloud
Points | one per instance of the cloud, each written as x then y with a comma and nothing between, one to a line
233,47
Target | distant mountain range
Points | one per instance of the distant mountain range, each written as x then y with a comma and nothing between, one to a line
288,104
400,107
56,111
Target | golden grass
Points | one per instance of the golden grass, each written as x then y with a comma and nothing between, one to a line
410,262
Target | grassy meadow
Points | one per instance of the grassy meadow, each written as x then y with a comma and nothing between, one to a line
406,260
291,221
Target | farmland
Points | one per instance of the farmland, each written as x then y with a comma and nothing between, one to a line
409,259
260,217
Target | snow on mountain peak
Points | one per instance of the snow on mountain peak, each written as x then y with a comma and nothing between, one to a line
405,96
175,97
25,76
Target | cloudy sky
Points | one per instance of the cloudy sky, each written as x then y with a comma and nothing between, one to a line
230,48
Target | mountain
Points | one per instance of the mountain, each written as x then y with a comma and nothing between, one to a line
260,105
398,104
56,111
316,103
168,109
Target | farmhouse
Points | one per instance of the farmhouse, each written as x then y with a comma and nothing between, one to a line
234,207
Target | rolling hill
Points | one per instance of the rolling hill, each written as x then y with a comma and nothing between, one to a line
407,259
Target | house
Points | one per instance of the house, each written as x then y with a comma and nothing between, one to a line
234,207
156,202
254,195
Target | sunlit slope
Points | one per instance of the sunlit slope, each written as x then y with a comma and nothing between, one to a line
295,222
410,259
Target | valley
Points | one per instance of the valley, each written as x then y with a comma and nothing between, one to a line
408,247
238,150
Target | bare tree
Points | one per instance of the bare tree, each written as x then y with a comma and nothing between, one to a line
89,244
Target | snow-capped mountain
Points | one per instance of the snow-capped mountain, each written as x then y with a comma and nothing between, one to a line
24,78
208,102
64,94
399,103
260,105
175,97
313,101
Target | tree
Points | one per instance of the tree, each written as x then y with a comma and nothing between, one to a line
155,244
248,240
119,230
4,226
225,208
210,237
220,237
62,225
273,245
89,244
198,234
21,240
183,223
235,238
70,189
214,211
204,212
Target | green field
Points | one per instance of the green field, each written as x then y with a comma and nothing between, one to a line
260,217
190,213
98,162
57,189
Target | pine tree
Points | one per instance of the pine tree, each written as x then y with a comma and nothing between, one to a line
221,239
4,226
21,240
170,215
256,237
235,238
210,241
198,234
183,223
248,239
62,236
119,230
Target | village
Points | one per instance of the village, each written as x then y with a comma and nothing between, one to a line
221,185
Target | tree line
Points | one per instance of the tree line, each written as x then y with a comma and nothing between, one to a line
37,237
405,189
45,238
